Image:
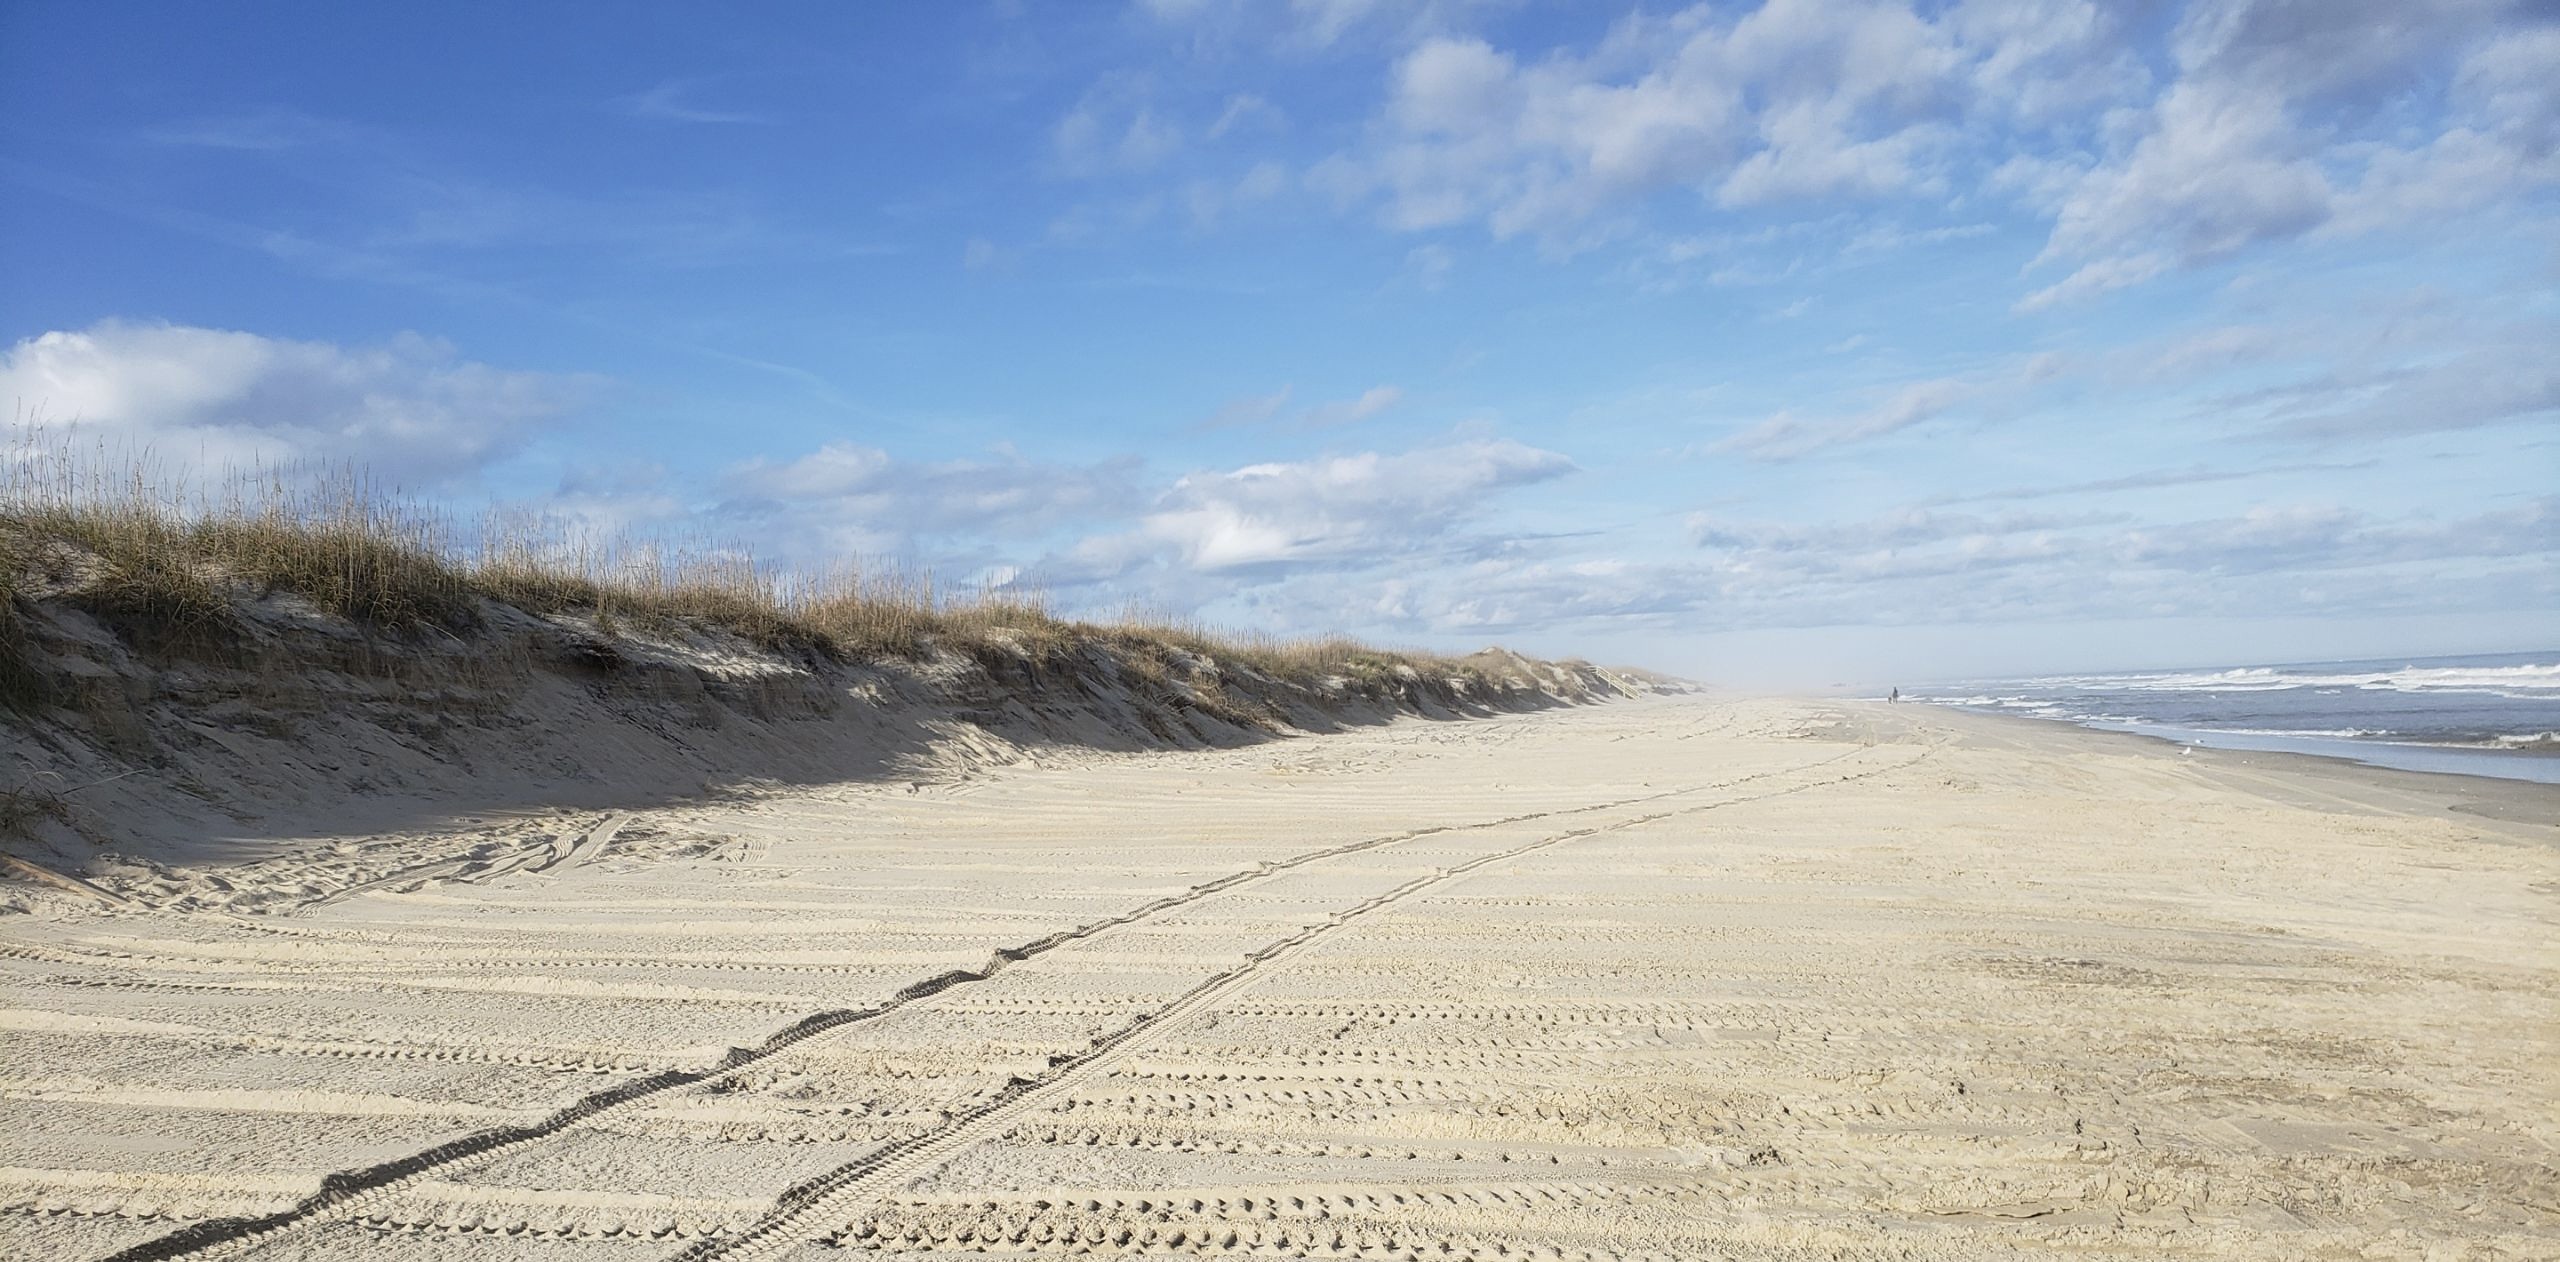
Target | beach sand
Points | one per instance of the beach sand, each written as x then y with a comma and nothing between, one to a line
1675,978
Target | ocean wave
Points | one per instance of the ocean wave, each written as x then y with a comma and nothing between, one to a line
2332,733
2528,682
2532,742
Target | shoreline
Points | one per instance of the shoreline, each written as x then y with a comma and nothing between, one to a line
2538,762
2297,777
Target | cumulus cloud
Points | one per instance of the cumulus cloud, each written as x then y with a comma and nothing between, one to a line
1791,101
409,409
1469,133
2287,118
2266,120
1333,511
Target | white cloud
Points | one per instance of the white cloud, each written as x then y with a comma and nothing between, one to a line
1370,402
1324,21
1309,25
1468,133
2221,169
2494,383
1786,435
1114,128
2274,119
1245,109
1264,409
1797,99
1903,529
2042,60
1850,98
2288,119
1925,565
1918,566
1210,200
668,103
845,499
1428,266
1336,510
1251,409
2512,87
2097,278
409,409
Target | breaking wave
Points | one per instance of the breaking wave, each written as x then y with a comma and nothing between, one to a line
2529,681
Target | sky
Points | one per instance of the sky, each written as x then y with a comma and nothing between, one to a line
1776,344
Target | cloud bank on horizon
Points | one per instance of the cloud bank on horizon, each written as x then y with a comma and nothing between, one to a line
1794,336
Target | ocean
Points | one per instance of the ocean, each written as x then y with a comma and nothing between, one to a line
2495,715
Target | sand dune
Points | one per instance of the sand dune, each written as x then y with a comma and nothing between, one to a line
1679,978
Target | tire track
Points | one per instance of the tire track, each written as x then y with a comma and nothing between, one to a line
791,1221
1437,1221
346,1192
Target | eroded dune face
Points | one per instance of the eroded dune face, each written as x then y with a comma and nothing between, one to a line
1673,979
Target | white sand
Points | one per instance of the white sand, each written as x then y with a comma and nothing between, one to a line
1676,979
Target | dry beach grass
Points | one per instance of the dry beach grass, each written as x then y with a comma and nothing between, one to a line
171,563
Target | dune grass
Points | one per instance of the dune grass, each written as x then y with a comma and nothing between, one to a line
170,568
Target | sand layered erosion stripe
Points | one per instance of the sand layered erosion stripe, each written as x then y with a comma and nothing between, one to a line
1669,979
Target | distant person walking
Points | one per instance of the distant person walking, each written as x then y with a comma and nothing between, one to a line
1895,695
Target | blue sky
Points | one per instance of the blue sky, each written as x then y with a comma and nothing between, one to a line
1791,342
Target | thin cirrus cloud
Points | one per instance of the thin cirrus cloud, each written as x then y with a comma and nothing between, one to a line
673,102
1116,128
2484,386
1924,567
1910,549
1274,409
1788,436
